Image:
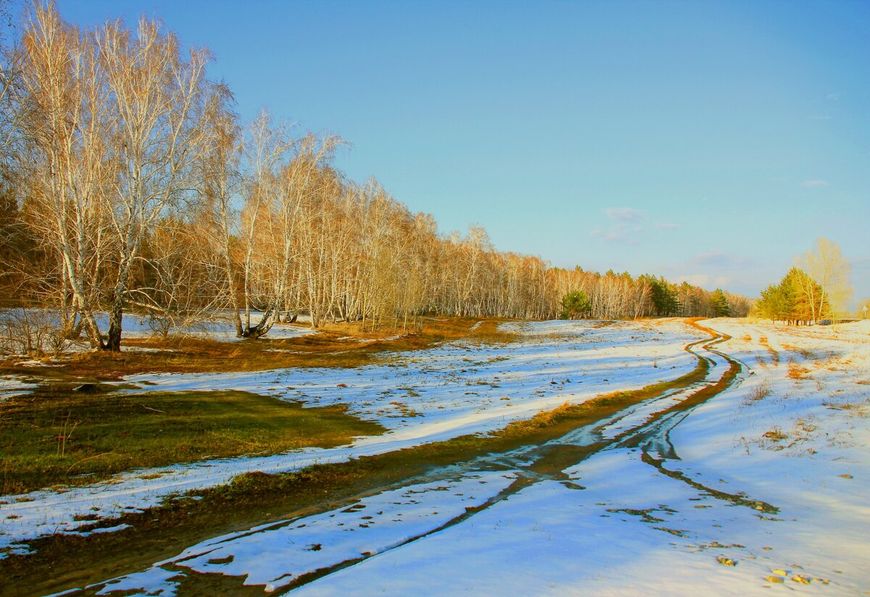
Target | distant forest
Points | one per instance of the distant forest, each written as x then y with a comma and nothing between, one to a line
129,182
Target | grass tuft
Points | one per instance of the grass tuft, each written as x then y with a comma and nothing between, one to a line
795,371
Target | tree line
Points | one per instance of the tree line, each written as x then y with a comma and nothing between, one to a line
129,182
619,295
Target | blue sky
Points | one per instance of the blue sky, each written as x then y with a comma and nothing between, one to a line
706,140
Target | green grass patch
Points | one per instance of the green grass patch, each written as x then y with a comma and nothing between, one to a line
57,436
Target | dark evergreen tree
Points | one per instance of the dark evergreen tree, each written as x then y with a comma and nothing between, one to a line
719,304
663,297
576,305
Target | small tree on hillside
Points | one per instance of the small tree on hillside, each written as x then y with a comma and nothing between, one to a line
719,304
776,303
796,299
576,305
810,301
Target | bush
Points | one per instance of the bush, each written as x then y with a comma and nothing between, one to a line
576,305
32,333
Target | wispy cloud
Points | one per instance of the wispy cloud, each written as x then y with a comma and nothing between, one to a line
620,233
628,224
715,269
825,108
720,260
625,225
815,183
705,280
623,214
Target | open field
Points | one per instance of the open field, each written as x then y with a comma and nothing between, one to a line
731,455
434,298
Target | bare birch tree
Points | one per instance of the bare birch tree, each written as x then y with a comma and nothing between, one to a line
64,117
219,176
128,158
158,96
265,152
826,265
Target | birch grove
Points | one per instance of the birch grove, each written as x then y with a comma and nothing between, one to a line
130,183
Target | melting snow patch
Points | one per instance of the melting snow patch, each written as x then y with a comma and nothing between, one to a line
296,547
11,386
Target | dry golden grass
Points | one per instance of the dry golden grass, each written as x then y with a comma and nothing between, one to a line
807,354
776,434
774,355
335,345
542,420
795,371
760,392
98,425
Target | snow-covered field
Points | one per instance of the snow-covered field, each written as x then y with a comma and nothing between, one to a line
762,487
419,397
739,513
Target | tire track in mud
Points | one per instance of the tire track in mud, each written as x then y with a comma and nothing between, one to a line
549,460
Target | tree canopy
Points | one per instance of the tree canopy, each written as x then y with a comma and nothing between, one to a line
797,298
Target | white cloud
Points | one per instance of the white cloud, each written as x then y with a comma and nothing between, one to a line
623,214
627,225
706,281
619,233
815,183
718,259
